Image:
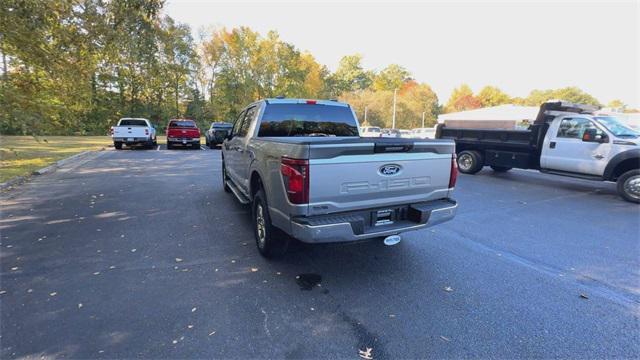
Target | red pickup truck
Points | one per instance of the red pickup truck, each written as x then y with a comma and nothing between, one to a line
183,132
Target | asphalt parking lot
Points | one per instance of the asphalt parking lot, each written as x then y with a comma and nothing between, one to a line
142,254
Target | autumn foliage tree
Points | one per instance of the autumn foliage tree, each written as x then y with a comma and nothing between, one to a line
462,99
75,67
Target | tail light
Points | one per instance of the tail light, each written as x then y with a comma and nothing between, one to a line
146,131
295,174
453,176
111,131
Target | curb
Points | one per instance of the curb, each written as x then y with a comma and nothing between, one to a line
59,163
12,182
45,170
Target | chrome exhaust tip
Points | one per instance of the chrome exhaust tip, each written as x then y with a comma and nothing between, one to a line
392,240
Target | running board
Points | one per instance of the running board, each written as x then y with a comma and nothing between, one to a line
573,175
234,189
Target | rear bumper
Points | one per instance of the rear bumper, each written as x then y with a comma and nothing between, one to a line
185,141
353,226
135,140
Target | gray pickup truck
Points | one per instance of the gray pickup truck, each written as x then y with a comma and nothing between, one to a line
309,175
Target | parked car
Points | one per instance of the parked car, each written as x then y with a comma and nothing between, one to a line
565,139
183,132
405,134
370,131
423,133
216,133
133,132
307,174
391,133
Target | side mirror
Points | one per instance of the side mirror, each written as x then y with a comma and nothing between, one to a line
593,135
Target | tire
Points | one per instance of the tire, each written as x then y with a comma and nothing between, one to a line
117,145
470,162
169,146
196,146
224,179
629,186
155,142
270,241
212,145
500,168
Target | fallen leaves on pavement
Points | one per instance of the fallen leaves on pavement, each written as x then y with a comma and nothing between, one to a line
366,354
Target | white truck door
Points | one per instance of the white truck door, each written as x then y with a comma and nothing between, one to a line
565,150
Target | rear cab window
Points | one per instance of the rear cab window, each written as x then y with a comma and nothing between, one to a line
221,126
303,119
132,122
182,124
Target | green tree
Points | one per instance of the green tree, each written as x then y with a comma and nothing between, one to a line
571,94
350,75
617,104
492,96
392,77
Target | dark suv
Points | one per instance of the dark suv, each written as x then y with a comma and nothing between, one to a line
216,133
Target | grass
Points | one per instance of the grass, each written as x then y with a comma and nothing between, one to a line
21,155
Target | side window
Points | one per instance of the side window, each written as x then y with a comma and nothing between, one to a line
238,124
573,128
250,115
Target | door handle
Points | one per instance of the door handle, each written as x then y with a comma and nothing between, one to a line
598,156
552,144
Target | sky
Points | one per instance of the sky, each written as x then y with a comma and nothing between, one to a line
517,46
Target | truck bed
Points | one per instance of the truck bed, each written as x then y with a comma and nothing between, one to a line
506,148
515,140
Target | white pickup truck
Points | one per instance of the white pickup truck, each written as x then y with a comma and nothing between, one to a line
133,131
565,139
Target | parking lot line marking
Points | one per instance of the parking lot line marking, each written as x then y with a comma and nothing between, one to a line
202,147
158,149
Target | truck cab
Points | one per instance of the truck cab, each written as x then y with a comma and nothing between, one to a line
584,144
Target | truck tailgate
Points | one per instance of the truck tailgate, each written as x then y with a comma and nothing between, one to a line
361,175
130,131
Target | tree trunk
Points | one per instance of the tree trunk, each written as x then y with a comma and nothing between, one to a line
4,59
177,108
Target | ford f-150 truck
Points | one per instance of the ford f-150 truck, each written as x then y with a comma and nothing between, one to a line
183,132
565,139
307,173
133,131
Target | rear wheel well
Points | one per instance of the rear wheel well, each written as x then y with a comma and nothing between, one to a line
255,184
625,166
